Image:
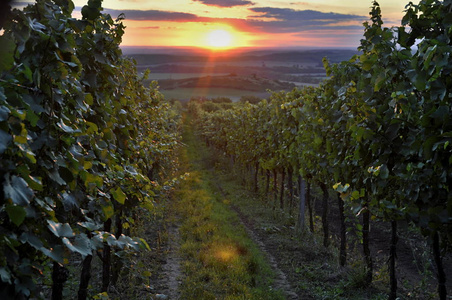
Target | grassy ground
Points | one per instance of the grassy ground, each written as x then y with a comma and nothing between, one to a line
312,269
219,260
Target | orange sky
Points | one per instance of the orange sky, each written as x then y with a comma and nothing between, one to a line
251,23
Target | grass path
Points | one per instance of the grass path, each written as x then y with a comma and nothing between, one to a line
230,244
218,259
234,246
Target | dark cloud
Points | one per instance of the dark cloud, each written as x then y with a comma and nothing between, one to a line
225,3
264,19
19,3
152,15
289,14
290,20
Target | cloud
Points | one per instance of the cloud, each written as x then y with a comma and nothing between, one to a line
296,15
264,19
152,15
150,27
225,3
271,19
21,3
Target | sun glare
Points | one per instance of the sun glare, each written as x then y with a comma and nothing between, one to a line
219,39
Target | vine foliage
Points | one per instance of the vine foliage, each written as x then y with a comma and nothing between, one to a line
84,145
378,131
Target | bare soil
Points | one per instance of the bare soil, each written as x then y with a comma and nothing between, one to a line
172,267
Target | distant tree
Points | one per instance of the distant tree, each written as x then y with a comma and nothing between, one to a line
210,106
226,105
250,99
221,100
199,99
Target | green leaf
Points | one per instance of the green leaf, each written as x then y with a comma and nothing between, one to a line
420,81
17,190
339,187
67,128
147,204
31,239
4,113
91,226
93,179
428,146
6,53
5,275
90,13
16,214
5,140
34,182
89,99
69,202
384,172
441,113
145,244
55,176
379,82
112,241
108,210
55,253
92,128
119,195
32,117
81,245
60,229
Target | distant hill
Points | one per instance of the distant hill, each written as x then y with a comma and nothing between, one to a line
334,56
246,83
293,56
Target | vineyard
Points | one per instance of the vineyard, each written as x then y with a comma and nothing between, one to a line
90,166
86,152
378,132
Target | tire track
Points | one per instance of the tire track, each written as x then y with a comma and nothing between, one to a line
281,282
172,268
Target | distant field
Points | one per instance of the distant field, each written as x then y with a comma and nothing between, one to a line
187,93
159,76
184,74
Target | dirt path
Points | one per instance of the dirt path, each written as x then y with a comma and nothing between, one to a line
281,281
171,269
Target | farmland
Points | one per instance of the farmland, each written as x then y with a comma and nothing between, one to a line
189,72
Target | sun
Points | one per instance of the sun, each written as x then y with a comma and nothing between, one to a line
219,38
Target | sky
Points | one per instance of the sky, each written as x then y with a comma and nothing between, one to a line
247,23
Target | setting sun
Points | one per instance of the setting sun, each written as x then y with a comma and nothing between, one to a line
219,39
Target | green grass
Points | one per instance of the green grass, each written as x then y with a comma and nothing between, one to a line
221,262
311,268
219,259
